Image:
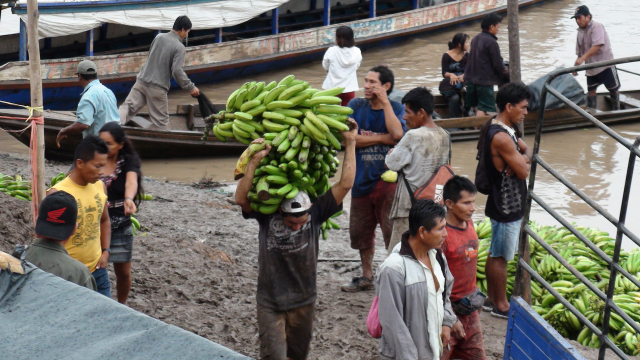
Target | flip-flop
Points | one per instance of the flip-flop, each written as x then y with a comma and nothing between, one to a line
487,306
500,314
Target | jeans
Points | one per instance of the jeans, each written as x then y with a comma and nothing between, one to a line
102,281
454,103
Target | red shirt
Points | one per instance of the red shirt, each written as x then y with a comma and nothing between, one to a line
461,250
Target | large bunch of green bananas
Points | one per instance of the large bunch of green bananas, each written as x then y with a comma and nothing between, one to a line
303,127
257,109
14,186
627,295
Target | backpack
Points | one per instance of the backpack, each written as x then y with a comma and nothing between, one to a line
373,320
433,188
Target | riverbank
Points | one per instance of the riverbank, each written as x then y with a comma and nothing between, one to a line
196,267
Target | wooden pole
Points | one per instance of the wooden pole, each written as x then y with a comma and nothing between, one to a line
35,79
515,72
522,287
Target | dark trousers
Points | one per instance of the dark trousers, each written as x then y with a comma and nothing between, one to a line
454,103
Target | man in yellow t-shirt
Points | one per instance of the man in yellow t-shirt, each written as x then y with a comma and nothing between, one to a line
90,244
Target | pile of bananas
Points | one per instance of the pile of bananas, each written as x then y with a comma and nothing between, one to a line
627,295
16,187
56,179
303,127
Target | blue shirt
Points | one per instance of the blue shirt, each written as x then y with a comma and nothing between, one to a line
370,159
97,107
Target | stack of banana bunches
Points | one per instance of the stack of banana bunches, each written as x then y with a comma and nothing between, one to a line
16,187
303,127
626,294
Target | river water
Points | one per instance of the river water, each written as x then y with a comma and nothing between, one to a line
588,158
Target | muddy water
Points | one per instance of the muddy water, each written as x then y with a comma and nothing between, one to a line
586,157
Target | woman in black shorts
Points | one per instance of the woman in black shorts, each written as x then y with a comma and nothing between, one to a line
124,183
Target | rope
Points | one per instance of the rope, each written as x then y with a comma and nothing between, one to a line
33,158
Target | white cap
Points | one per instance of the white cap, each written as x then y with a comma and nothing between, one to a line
300,203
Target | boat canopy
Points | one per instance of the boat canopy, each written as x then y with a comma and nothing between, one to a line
68,17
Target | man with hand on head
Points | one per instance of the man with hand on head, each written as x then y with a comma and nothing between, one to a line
288,256
90,243
55,225
381,125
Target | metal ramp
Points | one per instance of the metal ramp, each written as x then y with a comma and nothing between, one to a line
521,344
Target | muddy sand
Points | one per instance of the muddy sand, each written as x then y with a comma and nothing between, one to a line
196,267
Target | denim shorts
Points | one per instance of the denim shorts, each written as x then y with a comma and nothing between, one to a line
504,239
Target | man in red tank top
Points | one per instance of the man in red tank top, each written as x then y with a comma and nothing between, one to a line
461,251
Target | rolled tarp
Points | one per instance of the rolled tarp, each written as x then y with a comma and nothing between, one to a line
72,18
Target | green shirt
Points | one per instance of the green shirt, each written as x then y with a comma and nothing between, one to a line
53,258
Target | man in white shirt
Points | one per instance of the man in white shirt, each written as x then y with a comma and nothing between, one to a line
413,278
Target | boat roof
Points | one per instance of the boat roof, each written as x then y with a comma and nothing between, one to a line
68,17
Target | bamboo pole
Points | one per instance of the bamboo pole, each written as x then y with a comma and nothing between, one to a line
35,79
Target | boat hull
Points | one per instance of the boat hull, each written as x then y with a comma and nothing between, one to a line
183,144
61,91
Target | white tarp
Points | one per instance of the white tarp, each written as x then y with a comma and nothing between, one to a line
210,15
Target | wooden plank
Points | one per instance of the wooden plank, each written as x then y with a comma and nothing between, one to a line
629,101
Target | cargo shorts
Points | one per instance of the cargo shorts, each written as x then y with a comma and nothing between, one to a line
481,96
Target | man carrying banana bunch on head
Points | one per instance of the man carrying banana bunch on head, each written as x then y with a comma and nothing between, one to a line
288,256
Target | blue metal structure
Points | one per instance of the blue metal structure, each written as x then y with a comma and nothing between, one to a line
23,41
275,13
218,35
327,13
530,337
415,4
372,8
89,48
524,271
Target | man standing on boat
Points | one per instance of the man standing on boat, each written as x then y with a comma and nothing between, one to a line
97,105
166,59
485,67
592,46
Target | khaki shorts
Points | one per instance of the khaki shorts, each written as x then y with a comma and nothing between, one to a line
285,334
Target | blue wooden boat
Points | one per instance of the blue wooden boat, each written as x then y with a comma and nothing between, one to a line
220,61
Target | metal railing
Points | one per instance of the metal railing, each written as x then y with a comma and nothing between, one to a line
522,286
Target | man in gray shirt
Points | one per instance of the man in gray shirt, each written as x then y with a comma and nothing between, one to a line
593,45
419,154
166,59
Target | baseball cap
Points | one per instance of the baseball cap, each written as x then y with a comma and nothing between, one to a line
57,216
299,203
87,67
581,10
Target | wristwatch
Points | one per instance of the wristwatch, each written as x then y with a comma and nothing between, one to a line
107,249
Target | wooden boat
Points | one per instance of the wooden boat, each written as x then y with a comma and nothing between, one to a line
186,141
220,61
